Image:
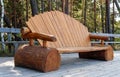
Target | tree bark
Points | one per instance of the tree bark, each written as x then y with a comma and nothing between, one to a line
42,6
95,25
102,17
39,58
1,24
49,5
34,7
85,9
107,26
66,6
26,9
63,5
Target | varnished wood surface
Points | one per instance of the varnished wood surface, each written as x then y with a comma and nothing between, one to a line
81,49
93,36
71,35
68,31
36,57
41,36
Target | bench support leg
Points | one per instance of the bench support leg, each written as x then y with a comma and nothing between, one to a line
101,55
36,57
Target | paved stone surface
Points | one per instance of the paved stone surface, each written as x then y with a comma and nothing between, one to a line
71,66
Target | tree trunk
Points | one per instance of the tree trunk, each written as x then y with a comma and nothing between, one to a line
26,9
95,25
66,6
2,16
107,26
85,9
63,5
57,4
70,7
113,21
14,21
7,21
102,17
49,5
34,7
42,6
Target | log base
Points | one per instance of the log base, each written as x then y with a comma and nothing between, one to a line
101,55
36,57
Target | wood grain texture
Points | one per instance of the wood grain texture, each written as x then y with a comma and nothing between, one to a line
81,49
41,36
36,57
72,37
105,54
68,31
93,36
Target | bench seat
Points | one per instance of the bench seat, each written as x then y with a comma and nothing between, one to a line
81,49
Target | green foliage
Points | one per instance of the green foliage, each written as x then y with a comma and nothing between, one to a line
6,52
78,10
15,10
21,10
117,28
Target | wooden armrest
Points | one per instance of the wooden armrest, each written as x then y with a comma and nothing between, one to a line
93,36
41,36
27,34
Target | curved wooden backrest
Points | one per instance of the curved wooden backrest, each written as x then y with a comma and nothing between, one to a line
68,31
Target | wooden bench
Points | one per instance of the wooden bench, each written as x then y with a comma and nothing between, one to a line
57,33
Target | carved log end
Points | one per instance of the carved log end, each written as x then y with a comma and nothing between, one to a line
36,57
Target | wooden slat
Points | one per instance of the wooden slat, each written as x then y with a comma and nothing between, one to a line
61,20
80,49
30,23
38,26
49,25
46,27
71,30
77,32
83,33
56,28
43,25
60,28
80,33
86,35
